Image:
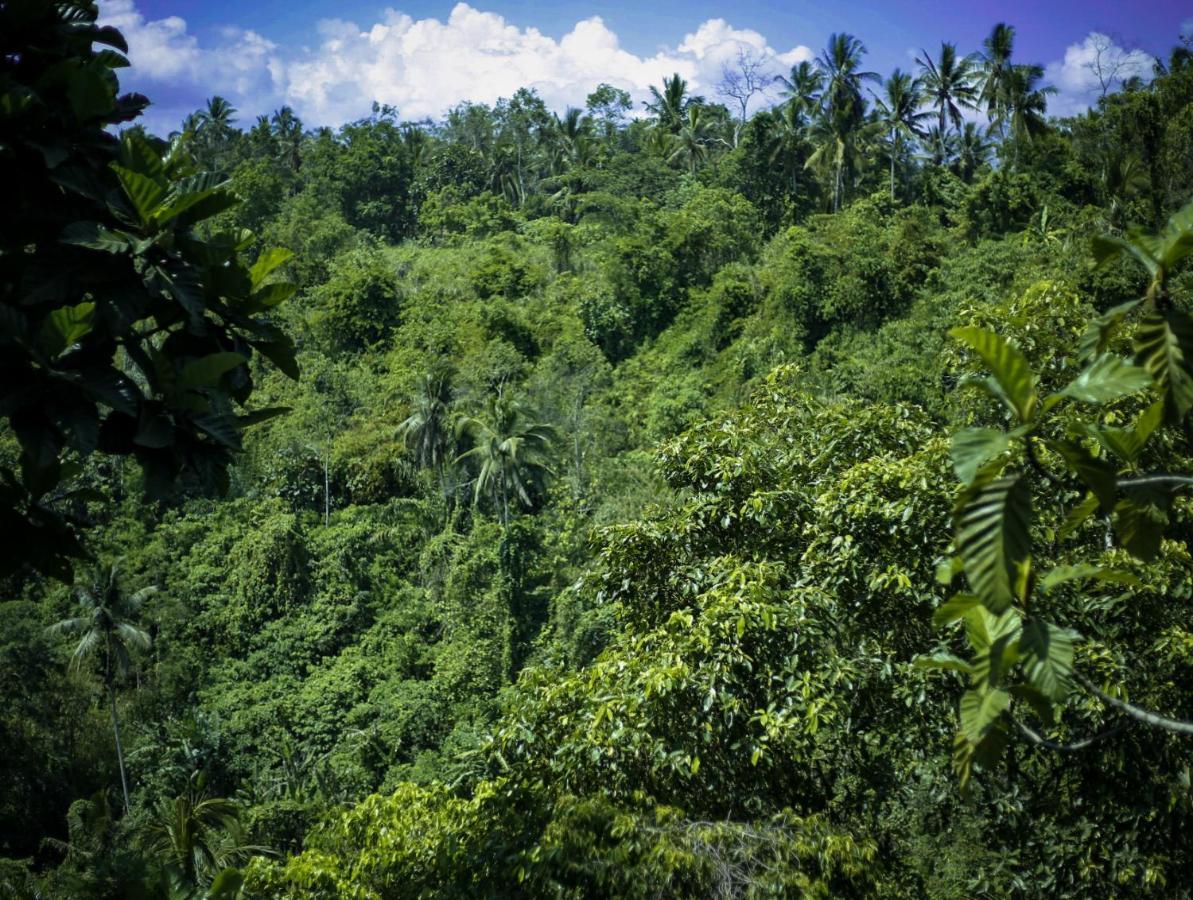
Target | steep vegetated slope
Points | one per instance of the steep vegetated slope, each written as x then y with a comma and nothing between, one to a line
598,542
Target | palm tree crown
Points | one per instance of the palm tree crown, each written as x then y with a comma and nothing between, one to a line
510,453
950,84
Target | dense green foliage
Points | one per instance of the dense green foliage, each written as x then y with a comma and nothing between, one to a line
605,542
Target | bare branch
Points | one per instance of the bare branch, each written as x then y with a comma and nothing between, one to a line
1155,720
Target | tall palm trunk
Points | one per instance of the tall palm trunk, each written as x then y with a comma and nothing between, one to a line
116,726
894,153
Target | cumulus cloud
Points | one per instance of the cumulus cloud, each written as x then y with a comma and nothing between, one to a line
1094,66
421,66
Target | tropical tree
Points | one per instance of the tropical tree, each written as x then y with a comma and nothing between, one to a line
197,835
837,133
802,87
997,70
1027,105
427,431
787,137
691,143
971,149
104,627
668,106
950,84
288,133
899,115
510,453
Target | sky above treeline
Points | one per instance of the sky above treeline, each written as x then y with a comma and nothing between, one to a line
331,60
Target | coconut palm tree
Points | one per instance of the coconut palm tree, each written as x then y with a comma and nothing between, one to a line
950,84
802,88
427,431
1027,105
104,626
997,69
669,105
287,129
838,130
899,114
198,835
510,452
787,138
972,149
691,143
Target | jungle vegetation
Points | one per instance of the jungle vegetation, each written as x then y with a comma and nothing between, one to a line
657,502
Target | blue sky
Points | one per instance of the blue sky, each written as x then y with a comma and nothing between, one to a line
330,60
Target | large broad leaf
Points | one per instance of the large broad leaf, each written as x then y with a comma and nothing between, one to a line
1077,516
261,415
271,295
145,193
280,352
223,428
1128,443
66,326
993,522
94,236
942,660
1107,379
1107,248
1140,520
980,709
1164,346
1047,654
1084,572
1009,369
1097,474
266,263
206,371
1097,336
954,608
972,448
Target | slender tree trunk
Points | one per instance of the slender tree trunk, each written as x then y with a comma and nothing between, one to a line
894,152
119,748
326,493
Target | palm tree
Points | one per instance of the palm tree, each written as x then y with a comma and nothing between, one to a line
510,451
842,110
691,142
898,113
949,84
104,626
197,834
668,106
427,431
973,148
787,139
996,58
803,87
287,129
1027,104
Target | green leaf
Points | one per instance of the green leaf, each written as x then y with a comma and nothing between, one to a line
272,294
280,352
953,609
145,193
980,709
1081,572
1047,653
66,326
993,522
1040,704
1077,515
266,263
223,428
94,236
1164,346
1097,336
1013,377
1140,520
972,448
942,660
1097,474
1107,379
260,415
206,371
1128,443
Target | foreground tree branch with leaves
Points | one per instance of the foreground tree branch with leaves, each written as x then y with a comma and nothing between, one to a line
1011,548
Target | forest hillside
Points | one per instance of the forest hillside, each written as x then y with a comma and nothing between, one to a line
604,503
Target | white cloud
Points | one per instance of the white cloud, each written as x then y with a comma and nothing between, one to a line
421,66
1087,65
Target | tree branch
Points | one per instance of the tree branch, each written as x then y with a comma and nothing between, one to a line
1074,747
1155,720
